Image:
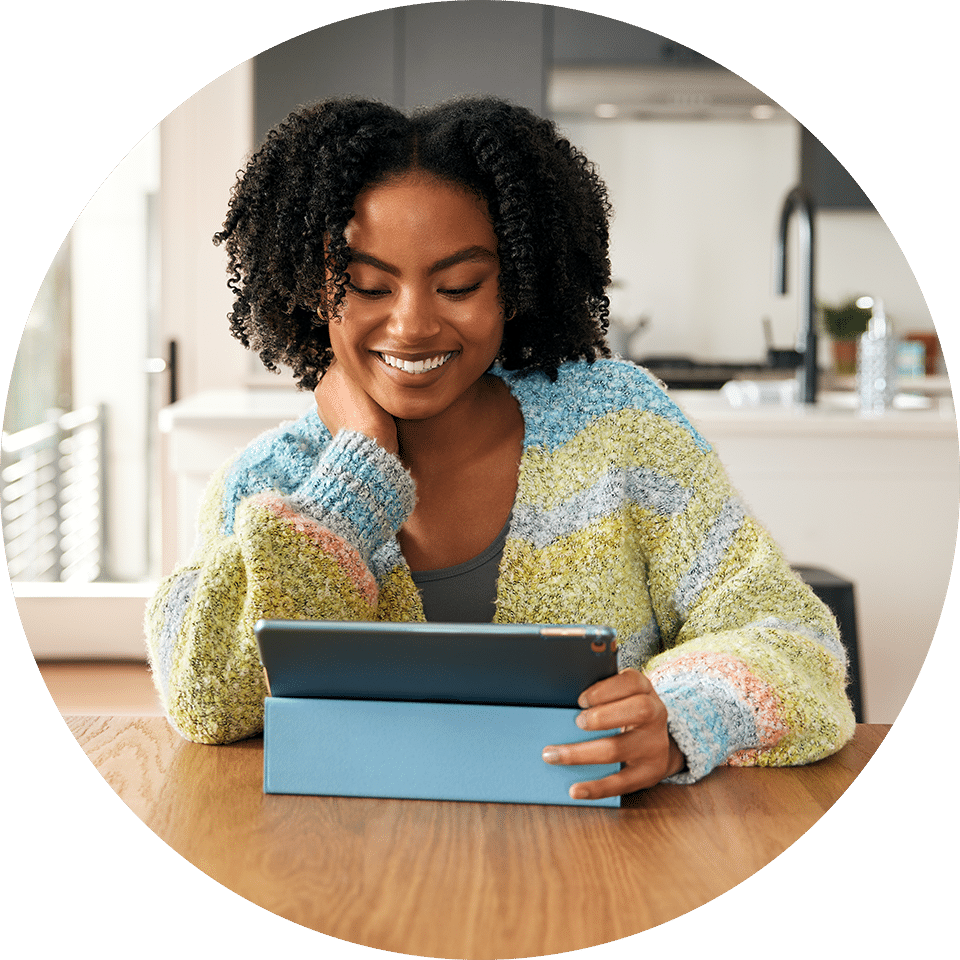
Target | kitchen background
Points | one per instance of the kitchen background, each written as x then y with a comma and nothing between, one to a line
697,161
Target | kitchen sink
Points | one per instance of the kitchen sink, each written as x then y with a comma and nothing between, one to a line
685,373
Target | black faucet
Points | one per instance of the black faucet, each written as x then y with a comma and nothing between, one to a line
799,201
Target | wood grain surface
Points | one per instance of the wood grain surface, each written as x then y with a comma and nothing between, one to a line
470,880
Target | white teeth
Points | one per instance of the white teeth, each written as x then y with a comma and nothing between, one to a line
416,366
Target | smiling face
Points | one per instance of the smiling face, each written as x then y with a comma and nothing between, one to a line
421,320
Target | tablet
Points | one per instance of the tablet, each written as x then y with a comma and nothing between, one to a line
487,663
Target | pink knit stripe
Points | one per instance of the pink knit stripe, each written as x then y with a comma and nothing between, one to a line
346,556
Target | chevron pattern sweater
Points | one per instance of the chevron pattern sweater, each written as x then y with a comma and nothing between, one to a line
623,516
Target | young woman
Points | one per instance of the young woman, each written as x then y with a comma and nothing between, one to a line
438,282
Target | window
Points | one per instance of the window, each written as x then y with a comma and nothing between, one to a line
79,455
112,302
79,427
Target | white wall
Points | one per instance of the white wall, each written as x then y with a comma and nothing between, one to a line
204,143
697,206
192,159
858,254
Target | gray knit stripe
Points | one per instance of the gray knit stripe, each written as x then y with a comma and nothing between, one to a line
708,560
647,488
826,640
636,649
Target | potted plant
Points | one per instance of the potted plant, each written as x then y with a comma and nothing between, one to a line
844,324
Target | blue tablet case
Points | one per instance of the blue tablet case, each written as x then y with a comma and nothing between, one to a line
430,751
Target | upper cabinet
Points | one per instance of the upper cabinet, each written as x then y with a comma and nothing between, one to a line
551,59
585,39
826,179
409,56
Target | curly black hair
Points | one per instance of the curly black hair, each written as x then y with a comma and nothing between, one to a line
289,208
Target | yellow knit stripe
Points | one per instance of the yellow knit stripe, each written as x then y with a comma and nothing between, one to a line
622,439
399,598
585,577
745,571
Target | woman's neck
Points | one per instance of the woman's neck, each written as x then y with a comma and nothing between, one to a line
462,432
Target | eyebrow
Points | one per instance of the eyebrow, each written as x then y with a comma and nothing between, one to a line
469,254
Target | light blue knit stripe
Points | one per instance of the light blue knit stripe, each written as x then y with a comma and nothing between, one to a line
707,719
711,555
244,477
357,463
650,490
585,391
175,608
357,481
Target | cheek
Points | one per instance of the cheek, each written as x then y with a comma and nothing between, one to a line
348,329
484,323
340,343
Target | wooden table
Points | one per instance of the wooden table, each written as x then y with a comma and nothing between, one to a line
470,880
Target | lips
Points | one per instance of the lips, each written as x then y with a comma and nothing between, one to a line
416,366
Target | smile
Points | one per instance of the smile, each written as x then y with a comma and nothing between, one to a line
415,366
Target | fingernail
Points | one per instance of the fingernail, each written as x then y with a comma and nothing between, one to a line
581,721
578,793
551,755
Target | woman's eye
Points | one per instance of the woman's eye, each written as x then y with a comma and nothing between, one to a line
375,293
367,291
458,291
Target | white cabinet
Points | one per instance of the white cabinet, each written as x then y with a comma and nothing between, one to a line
203,431
873,500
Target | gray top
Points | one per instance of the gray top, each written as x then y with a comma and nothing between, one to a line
466,593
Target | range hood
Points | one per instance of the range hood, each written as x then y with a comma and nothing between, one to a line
656,92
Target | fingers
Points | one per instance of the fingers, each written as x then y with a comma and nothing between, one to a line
626,683
627,780
631,710
642,766
344,404
644,763
626,747
644,747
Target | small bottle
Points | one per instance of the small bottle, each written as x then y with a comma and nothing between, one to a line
877,363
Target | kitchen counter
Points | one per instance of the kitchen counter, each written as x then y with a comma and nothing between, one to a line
834,414
258,409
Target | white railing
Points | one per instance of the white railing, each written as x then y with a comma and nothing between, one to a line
52,496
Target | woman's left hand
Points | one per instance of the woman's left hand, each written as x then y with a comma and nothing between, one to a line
645,747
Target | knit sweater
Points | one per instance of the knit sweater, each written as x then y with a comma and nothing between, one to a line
623,516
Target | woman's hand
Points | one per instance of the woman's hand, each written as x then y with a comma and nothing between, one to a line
645,747
343,405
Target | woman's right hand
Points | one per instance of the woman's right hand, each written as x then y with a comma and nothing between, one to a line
343,405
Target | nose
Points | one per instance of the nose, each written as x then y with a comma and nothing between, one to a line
414,317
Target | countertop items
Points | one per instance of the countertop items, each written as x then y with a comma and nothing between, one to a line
747,407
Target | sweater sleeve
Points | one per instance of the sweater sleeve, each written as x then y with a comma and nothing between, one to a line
753,671
301,555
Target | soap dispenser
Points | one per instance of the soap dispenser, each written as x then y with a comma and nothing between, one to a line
877,363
